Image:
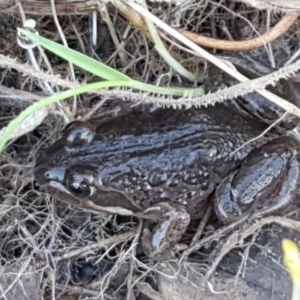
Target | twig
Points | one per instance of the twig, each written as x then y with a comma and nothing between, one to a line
80,290
62,36
104,243
78,36
201,226
260,135
95,27
269,45
20,273
94,109
274,33
148,291
293,58
216,235
245,255
130,295
31,54
277,5
106,18
19,94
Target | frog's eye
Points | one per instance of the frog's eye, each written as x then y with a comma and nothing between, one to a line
80,190
78,137
79,186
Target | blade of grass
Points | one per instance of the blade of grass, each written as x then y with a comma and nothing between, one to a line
14,124
83,61
97,68
164,53
170,91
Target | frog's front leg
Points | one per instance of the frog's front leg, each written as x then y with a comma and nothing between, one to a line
159,238
266,182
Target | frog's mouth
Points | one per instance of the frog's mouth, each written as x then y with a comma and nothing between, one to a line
56,186
83,187
58,190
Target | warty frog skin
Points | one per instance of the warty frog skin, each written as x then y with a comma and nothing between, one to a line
168,165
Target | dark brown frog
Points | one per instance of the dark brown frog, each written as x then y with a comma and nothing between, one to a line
166,163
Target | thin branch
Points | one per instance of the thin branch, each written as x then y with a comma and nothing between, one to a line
271,35
104,243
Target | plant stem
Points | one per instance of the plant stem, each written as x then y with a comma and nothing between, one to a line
99,69
161,49
14,124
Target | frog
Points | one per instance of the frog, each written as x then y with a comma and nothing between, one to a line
166,166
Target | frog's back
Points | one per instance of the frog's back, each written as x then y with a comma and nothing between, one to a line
174,154
166,136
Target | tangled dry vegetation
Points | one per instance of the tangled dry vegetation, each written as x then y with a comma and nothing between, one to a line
49,250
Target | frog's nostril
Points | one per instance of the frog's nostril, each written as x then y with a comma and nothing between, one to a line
56,174
43,175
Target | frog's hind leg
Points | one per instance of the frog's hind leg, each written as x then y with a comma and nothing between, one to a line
172,221
266,182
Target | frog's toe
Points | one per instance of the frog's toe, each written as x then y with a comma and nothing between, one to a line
159,238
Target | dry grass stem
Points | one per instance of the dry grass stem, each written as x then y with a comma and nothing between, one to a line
103,244
279,29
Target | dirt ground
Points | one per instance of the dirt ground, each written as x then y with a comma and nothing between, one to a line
51,250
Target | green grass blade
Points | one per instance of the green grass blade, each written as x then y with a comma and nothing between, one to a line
80,60
161,49
160,90
14,124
